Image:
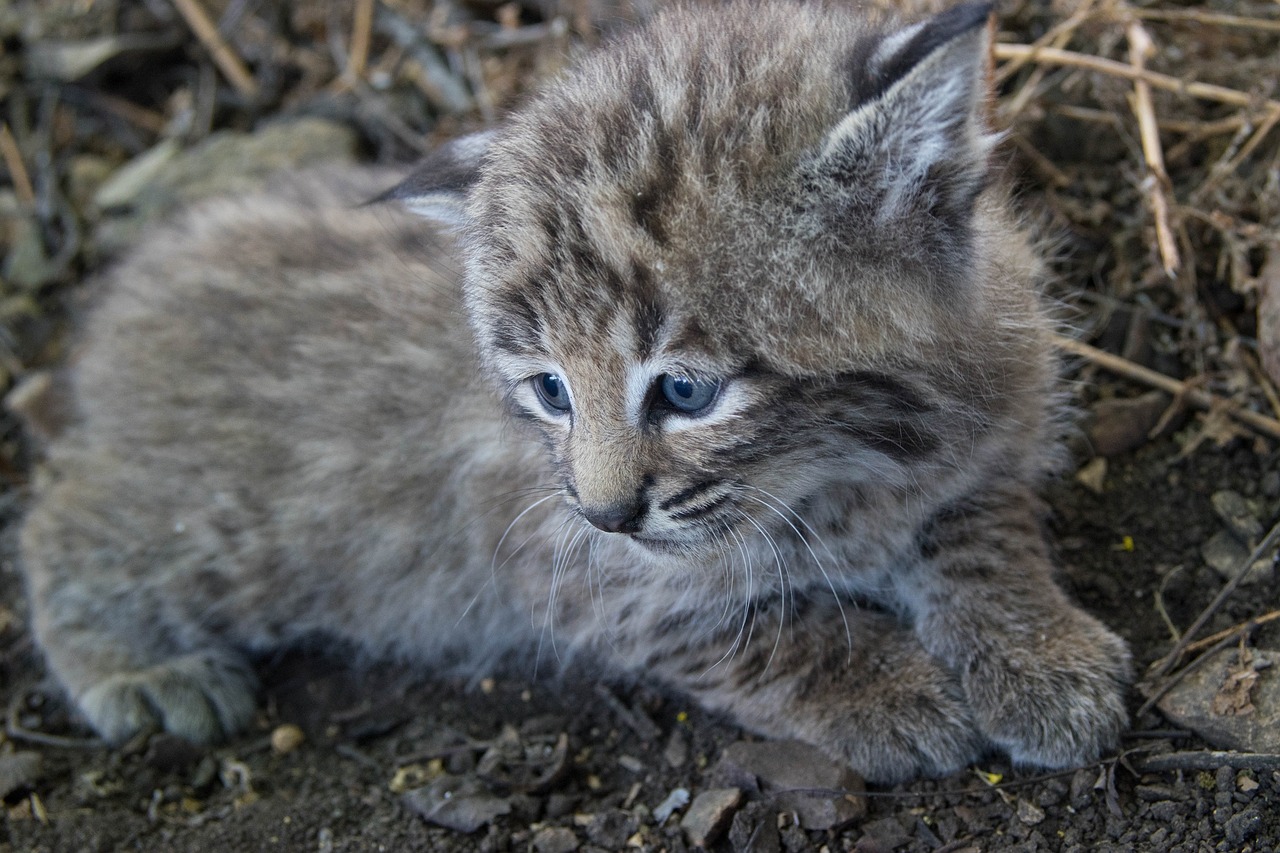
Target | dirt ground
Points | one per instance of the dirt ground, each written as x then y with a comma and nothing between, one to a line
346,759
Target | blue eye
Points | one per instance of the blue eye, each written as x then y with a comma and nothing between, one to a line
688,395
551,392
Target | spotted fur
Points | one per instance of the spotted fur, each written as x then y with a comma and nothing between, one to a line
754,397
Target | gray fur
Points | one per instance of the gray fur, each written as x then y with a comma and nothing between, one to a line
280,425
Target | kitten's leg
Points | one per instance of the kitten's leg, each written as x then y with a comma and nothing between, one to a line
1045,680
124,654
870,695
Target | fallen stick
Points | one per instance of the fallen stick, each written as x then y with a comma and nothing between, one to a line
1182,390
223,56
18,173
1169,661
1233,631
1157,182
1208,761
1072,59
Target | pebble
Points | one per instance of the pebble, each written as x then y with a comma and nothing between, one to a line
286,738
1225,555
1235,511
555,839
709,815
1190,704
676,752
1241,827
755,830
779,767
887,833
1029,813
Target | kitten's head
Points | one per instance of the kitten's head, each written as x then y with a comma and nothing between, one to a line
739,257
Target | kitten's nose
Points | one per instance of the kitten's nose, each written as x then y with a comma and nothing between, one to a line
617,518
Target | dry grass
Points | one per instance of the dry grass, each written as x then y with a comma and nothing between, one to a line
1146,131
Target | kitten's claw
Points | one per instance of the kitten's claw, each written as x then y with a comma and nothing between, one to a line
200,698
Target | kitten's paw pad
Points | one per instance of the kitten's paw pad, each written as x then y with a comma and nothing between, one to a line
1062,710
200,698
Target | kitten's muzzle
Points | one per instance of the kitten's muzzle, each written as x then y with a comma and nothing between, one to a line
617,518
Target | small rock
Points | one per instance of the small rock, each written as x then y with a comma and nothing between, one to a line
784,769
1243,826
610,829
460,804
755,830
1029,813
676,800
19,770
709,815
887,833
1093,475
286,738
1235,511
1123,425
676,752
555,839
1225,555
1190,704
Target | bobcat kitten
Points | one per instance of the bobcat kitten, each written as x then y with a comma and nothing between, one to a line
771,397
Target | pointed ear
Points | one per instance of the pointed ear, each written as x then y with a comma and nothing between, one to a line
915,139
438,186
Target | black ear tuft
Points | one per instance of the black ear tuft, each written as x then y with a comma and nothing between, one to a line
898,53
914,143
438,186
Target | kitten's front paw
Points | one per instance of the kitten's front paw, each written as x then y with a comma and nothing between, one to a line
1057,701
898,715
935,738
202,698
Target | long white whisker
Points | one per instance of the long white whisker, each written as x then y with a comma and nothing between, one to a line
561,533
493,563
848,632
782,580
738,641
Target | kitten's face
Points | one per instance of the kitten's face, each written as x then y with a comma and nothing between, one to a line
709,264
656,432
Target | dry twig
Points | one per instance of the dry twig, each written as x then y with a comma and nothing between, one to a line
1072,59
1156,184
1265,547
1196,396
223,56
1207,761
18,173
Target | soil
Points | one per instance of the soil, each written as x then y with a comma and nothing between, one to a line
346,757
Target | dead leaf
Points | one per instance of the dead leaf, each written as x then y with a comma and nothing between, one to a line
1234,697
